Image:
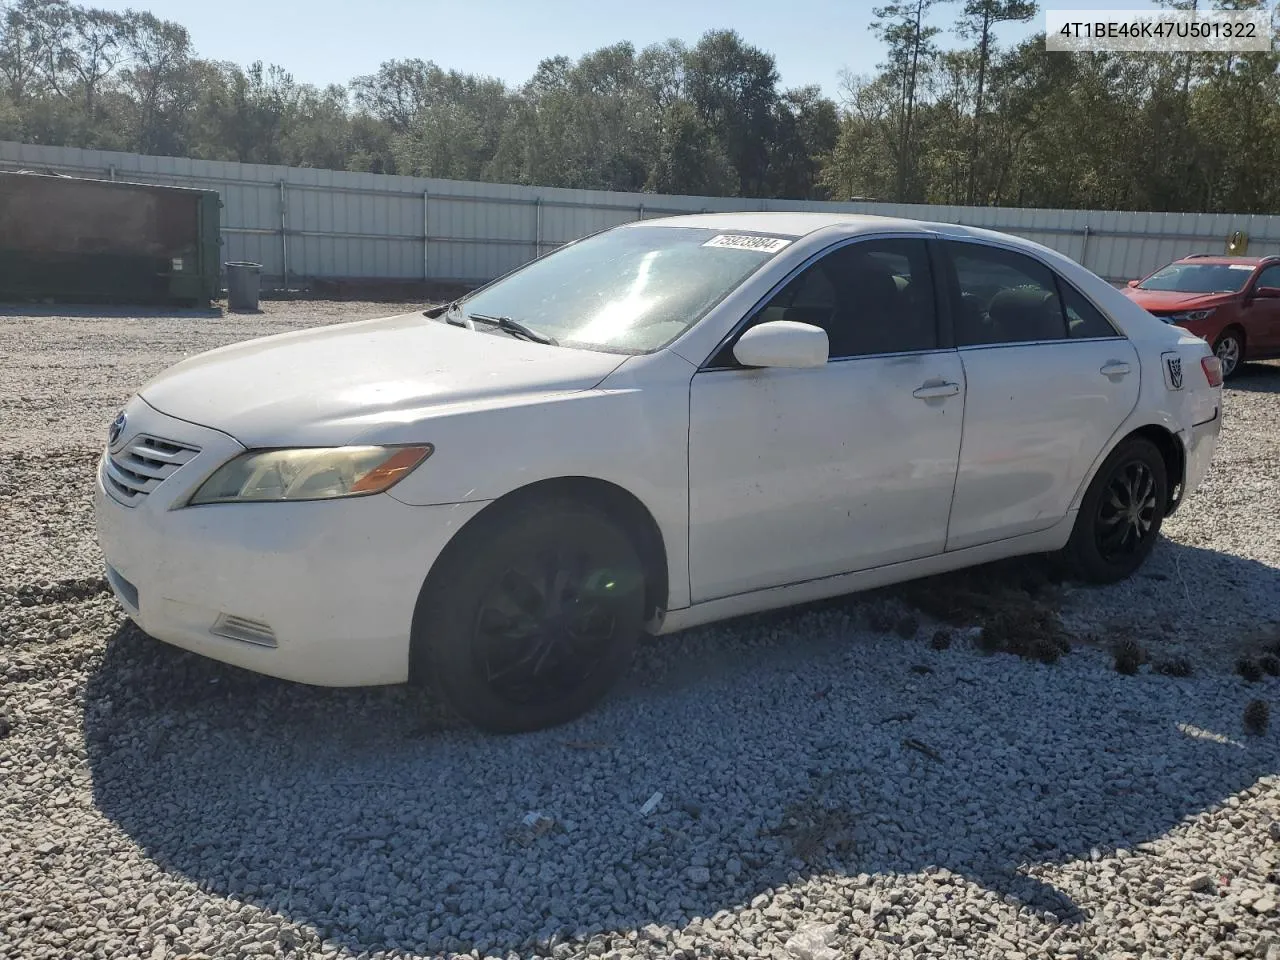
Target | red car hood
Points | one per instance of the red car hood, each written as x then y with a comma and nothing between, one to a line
1168,301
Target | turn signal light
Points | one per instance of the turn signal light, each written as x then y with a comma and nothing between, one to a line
1212,368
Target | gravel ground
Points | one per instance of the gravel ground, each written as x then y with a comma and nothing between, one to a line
818,783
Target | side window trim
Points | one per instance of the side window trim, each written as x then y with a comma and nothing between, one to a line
1064,284
946,243
1058,284
943,277
709,364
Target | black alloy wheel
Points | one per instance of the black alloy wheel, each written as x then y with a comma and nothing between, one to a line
1127,512
1120,514
531,616
545,624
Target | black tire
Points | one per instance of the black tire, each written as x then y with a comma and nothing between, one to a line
1230,351
534,617
1120,515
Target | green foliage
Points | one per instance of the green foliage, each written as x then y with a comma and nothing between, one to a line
689,159
1024,127
946,118
911,53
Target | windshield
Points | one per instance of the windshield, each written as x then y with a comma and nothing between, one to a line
1199,278
629,290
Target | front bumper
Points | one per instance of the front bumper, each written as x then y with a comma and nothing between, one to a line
333,583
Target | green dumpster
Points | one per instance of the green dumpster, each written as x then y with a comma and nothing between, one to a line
73,240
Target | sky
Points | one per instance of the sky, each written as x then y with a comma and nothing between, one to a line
331,41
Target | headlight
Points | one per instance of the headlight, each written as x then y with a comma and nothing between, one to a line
311,473
1191,316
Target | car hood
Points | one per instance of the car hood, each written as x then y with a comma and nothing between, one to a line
1167,301
347,383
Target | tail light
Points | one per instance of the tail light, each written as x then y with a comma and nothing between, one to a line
1212,368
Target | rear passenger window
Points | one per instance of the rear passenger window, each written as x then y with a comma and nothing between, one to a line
1005,297
1084,320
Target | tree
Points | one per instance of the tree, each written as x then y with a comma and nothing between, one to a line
660,71
975,123
978,20
690,157
911,48
862,163
157,78
27,47
733,89
805,130
97,42
395,94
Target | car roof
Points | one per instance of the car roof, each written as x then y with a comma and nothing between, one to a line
798,226
1220,259
786,223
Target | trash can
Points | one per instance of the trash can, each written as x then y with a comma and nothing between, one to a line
244,281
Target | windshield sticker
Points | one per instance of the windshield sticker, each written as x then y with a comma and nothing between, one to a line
740,241
1239,266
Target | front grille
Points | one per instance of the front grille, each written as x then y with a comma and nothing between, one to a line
143,465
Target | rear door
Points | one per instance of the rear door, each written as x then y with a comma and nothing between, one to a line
1048,381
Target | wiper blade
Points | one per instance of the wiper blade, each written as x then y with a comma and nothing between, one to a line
515,328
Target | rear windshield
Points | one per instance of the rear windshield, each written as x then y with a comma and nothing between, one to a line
1199,278
628,290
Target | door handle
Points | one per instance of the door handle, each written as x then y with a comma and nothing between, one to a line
1114,368
936,390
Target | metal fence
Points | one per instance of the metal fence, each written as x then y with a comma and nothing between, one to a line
304,224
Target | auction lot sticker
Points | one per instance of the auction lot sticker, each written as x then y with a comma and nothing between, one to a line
742,241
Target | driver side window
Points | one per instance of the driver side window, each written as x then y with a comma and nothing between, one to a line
871,297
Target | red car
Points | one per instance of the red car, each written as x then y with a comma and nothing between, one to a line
1231,302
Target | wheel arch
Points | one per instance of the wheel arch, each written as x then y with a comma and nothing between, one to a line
1238,327
1164,435
616,502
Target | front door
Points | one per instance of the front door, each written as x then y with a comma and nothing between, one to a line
801,474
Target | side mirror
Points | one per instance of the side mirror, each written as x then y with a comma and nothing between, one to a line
1134,283
782,343
1267,293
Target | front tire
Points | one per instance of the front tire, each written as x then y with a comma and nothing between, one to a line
1121,514
533,617
1229,349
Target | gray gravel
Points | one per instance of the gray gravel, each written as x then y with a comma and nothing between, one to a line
828,787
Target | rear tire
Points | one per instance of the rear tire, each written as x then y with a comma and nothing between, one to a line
534,616
1230,351
1120,515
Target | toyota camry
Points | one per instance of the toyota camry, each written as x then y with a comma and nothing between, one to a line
664,424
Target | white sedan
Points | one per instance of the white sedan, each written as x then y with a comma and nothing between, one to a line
665,424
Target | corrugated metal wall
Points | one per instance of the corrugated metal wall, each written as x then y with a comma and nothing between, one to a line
303,224
1116,245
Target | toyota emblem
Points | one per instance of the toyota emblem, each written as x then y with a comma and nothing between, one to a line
117,429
